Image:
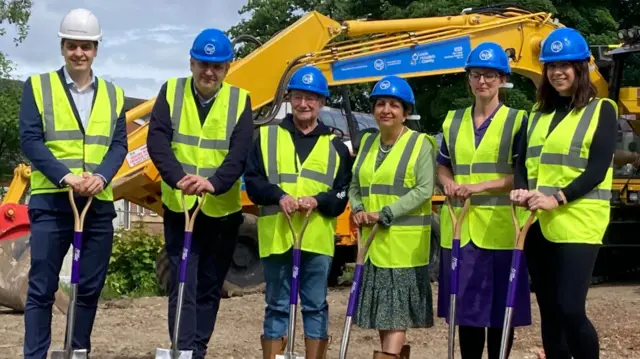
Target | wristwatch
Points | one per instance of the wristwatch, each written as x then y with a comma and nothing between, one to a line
559,198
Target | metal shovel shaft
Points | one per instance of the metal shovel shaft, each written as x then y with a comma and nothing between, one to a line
293,299
520,235
346,332
511,295
295,282
68,352
189,222
73,295
175,352
354,294
351,309
453,293
456,222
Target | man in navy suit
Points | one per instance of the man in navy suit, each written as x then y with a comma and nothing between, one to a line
72,129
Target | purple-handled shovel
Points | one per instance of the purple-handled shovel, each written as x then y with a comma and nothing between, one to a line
68,352
521,234
355,289
295,285
189,221
456,222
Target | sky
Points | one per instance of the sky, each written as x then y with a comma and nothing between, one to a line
144,42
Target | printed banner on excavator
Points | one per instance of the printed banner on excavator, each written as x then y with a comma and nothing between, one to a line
435,56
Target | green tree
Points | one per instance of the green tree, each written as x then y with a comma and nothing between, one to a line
435,94
14,13
10,154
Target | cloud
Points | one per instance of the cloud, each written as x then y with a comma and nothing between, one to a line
144,42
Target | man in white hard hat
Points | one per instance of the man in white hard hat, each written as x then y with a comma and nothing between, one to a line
72,129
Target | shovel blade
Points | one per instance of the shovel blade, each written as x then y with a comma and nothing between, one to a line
74,354
168,354
287,356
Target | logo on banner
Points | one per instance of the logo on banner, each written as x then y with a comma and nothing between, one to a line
378,64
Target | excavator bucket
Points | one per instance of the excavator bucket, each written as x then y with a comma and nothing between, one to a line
15,258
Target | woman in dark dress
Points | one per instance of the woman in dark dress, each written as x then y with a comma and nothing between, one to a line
476,162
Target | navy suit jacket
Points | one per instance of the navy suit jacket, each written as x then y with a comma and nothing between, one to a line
41,158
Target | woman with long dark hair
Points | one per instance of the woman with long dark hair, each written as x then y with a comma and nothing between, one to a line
564,172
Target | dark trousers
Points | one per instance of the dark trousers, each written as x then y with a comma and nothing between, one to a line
51,237
212,248
472,341
560,275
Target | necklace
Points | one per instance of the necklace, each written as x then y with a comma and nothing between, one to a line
394,142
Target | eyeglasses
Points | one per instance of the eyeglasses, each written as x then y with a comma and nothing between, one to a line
297,98
489,77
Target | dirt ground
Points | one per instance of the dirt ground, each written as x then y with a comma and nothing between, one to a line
134,328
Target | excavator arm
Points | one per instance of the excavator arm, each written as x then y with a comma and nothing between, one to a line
368,51
350,52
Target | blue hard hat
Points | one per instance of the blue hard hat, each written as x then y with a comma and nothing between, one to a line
309,78
564,44
212,45
394,86
489,55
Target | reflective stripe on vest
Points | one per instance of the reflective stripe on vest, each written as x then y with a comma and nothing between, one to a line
488,222
406,243
201,148
557,158
80,152
316,175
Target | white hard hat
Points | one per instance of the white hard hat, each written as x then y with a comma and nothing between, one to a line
80,24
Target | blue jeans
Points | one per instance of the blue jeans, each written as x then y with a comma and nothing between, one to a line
314,272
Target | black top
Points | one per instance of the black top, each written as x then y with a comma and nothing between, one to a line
331,203
601,152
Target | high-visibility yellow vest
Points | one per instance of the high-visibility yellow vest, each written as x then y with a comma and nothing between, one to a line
315,175
80,152
554,160
201,148
488,223
406,243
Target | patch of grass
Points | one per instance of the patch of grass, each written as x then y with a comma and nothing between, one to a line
347,274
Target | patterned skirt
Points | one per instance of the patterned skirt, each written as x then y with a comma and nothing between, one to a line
394,298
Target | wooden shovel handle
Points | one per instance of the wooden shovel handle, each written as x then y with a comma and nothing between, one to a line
521,234
456,221
364,247
78,219
297,238
190,220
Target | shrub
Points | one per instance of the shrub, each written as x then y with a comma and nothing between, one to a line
132,264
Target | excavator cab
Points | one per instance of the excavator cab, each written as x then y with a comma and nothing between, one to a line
619,64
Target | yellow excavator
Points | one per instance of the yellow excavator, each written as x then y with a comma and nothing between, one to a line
355,51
